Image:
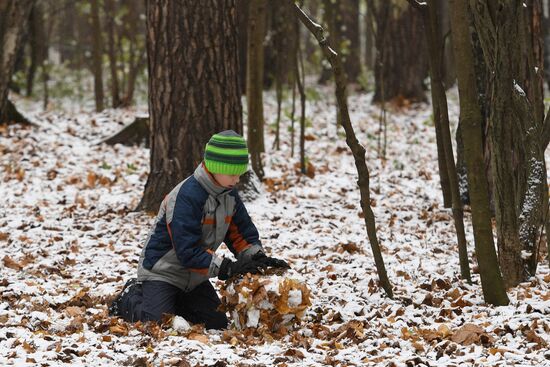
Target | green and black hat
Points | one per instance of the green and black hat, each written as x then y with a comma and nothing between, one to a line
226,153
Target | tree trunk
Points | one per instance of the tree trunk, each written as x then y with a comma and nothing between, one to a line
357,149
203,55
515,133
66,36
97,51
401,65
37,42
546,42
330,14
299,72
14,15
435,42
242,36
137,57
471,121
482,76
349,23
254,83
370,48
393,53
110,13
533,79
449,73
282,36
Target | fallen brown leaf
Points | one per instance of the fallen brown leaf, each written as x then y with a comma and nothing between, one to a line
12,264
471,334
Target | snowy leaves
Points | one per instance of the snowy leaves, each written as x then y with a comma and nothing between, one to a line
270,303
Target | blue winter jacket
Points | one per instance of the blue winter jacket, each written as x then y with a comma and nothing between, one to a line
193,220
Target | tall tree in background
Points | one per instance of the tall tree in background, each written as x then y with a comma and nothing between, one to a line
67,31
282,40
431,18
183,118
37,42
254,83
97,58
400,68
516,133
14,15
471,121
125,48
332,22
449,74
350,47
401,63
342,22
110,15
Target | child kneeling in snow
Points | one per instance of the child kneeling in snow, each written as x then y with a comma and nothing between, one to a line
179,256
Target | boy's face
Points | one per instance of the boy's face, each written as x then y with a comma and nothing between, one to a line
227,181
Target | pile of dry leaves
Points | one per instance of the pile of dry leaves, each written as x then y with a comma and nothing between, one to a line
270,302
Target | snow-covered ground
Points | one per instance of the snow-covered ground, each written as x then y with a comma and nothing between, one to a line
69,239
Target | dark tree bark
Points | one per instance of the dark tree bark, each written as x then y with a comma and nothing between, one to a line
515,133
37,43
342,23
110,13
482,73
370,47
137,55
471,121
546,42
401,65
67,32
435,42
97,51
398,64
330,19
254,83
242,36
357,149
189,43
449,73
14,15
349,22
299,72
284,36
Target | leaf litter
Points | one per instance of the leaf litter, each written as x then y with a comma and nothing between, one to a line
69,239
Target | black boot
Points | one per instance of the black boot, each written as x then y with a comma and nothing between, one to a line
114,308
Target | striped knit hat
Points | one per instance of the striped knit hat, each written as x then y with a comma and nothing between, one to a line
226,153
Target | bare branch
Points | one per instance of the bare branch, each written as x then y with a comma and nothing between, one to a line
356,148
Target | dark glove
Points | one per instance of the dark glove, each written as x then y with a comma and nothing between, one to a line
270,261
230,268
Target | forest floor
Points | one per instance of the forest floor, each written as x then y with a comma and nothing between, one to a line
69,240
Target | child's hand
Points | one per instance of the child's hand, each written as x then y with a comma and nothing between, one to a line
270,261
230,268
